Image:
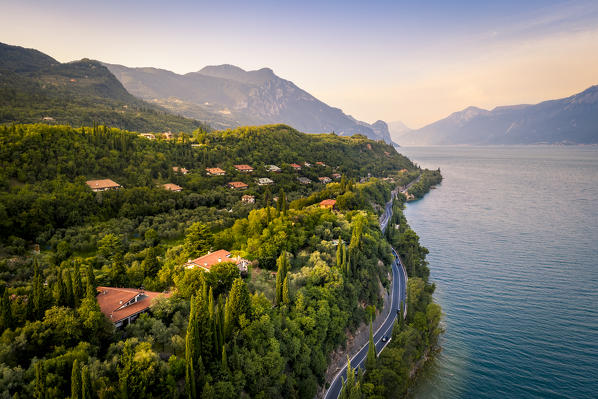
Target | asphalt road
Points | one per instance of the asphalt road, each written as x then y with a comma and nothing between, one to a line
398,295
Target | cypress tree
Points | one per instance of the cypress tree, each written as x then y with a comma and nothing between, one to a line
344,258
76,381
280,276
286,299
77,284
238,303
370,361
339,253
38,297
39,390
60,296
6,318
224,370
192,351
90,283
68,279
85,383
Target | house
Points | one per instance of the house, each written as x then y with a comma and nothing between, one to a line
403,171
248,199
303,180
324,179
264,181
172,187
123,305
48,119
328,204
387,153
321,163
307,164
168,135
336,176
212,258
273,168
178,169
215,172
148,136
237,185
102,185
244,168
295,166
409,197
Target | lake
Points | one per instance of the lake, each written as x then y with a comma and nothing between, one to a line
513,240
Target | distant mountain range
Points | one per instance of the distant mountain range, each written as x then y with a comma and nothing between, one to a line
571,120
227,96
34,87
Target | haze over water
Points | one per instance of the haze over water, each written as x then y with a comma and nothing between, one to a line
513,240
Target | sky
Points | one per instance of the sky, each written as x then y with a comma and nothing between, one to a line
413,61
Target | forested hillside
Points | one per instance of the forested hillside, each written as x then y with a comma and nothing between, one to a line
314,272
35,87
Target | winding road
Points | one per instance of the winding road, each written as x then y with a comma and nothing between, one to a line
398,295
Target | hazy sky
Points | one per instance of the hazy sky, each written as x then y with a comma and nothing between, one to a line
414,61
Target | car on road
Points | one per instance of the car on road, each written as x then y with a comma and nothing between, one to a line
385,338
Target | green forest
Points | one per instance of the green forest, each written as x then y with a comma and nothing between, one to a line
313,276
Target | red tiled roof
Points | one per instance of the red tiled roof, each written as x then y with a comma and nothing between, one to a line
209,260
111,301
172,187
328,202
237,184
215,171
101,184
294,165
243,167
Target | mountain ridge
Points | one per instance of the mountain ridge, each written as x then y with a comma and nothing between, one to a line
572,119
34,87
227,96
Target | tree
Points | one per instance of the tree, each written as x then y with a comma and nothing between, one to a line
38,294
39,390
280,277
109,245
68,279
370,361
351,388
90,282
286,299
339,252
77,284
76,381
198,240
238,304
85,383
6,316
118,272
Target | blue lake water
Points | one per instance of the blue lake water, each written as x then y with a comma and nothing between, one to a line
513,240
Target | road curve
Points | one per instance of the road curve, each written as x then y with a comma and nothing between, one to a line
398,295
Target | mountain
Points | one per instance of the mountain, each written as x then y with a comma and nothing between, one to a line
227,96
36,87
397,129
572,120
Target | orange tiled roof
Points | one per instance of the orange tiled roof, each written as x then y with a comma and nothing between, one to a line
215,171
101,184
237,184
296,166
209,260
111,301
243,167
172,187
328,202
